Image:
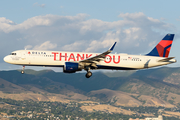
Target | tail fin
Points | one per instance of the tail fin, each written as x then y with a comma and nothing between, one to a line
163,48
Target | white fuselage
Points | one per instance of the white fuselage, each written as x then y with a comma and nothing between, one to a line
58,59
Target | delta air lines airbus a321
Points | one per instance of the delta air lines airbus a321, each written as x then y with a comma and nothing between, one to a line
76,61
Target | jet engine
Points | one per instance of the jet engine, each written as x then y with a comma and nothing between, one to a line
72,67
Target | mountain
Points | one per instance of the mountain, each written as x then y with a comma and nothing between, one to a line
150,87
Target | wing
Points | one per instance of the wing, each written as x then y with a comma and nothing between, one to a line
99,57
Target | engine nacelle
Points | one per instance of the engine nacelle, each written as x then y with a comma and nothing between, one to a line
71,67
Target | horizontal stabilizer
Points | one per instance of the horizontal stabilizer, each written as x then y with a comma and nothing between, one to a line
166,59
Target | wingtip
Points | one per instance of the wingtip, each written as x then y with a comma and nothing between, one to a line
111,49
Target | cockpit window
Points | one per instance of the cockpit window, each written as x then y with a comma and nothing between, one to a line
13,53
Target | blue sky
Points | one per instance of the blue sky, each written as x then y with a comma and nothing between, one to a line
21,10
137,25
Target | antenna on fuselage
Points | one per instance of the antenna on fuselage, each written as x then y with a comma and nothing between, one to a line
27,47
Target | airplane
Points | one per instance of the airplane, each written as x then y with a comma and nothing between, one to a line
77,61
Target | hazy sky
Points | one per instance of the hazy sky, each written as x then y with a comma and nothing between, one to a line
91,26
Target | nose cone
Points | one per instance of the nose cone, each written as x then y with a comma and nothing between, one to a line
7,59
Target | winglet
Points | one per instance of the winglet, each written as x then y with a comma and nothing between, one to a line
112,47
99,57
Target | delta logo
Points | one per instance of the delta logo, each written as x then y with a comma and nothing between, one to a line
37,53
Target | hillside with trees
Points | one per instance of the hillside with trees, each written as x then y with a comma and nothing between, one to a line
158,87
